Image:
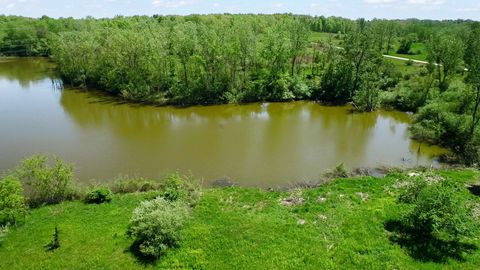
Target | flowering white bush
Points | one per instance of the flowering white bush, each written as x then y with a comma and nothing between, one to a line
156,225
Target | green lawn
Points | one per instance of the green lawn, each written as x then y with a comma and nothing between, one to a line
330,38
238,228
418,49
403,67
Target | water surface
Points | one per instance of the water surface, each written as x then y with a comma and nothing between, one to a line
256,145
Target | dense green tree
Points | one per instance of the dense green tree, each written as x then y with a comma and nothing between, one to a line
445,51
12,202
472,61
406,44
446,120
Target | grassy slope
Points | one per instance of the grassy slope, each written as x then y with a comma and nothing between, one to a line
235,228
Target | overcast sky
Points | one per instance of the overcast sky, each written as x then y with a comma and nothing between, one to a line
391,9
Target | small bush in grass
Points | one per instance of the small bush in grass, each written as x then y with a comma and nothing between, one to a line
99,195
156,226
45,184
127,184
181,188
12,202
437,210
436,220
3,232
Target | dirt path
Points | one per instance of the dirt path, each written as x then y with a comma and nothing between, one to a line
405,59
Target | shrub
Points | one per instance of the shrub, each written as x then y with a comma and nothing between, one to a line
12,202
436,210
99,195
126,184
178,188
156,226
3,232
338,172
45,184
341,171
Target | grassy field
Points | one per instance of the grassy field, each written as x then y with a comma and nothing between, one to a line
419,50
328,38
340,225
403,67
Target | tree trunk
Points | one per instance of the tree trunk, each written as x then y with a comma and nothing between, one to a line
293,64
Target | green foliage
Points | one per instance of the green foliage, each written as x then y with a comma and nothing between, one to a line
446,51
127,184
3,232
435,210
367,97
12,202
447,120
357,73
406,44
472,56
156,226
182,60
99,195
412,94
229,58
45,184
336,83
178,188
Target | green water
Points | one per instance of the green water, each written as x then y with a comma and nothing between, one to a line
256,145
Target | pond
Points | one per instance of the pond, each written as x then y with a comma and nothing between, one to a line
266,144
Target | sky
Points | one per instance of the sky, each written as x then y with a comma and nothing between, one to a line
389,9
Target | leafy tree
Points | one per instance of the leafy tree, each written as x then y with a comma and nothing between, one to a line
472,61
298,39
406,44
367,97
445,51
12,202
445,120
44,184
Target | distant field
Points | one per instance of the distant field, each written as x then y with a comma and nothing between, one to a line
401,65
329,38
419,50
